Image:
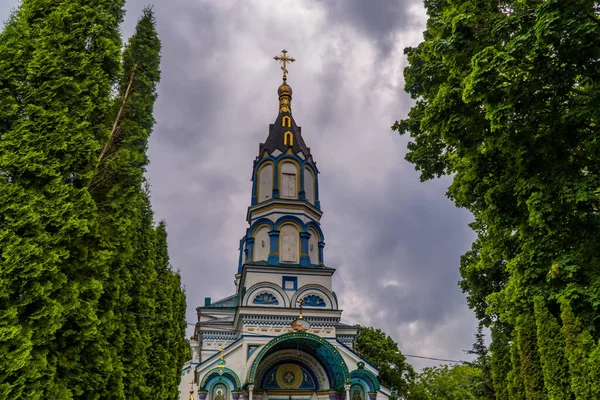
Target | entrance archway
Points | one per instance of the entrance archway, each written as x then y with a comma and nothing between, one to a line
316,358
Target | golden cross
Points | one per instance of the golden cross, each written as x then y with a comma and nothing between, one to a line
284,59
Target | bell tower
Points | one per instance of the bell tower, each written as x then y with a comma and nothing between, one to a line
285,212
280,335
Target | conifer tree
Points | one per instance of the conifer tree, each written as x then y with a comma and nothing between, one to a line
531,372
59,60
125,216
551,347
516,387
579,345
168,349
482,384
500,362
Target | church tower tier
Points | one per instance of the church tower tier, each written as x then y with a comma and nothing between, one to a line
280,335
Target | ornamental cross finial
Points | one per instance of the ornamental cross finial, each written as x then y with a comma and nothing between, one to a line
222,352
284,59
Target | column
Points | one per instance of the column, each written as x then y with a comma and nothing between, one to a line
321,246
250,391
347,386
249,245
273,258
304,258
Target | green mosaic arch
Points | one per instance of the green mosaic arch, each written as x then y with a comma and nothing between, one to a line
326,353
366,376
226,373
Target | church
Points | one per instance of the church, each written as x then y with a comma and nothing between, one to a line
280,335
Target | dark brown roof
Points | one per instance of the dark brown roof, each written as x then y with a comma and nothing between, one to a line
275,138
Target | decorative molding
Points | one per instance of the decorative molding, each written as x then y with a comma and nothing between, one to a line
313,300
265,298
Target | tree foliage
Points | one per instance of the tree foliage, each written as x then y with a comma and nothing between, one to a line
506,98
444,382
84,274
379,349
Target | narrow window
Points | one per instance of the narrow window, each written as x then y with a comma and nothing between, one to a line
288,185
289,244
286,121
288,139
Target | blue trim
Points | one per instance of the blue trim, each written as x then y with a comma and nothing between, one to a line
290,213
367,377
318,288
251,349
241,260
264,286
316,227
293,279
273,258
290,218
251,231
295,273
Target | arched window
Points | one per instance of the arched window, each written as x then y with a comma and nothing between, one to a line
219,392
286,121
265,183
309,185
288,138
288,244
261,246
313,246
289,182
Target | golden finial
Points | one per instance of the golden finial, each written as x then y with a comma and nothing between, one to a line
284,59
285,91
300,304
222,352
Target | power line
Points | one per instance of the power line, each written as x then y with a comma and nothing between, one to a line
254,333
435,359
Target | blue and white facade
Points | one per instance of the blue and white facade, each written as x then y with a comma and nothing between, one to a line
244,346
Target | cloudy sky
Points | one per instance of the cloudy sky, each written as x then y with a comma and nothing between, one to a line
395,241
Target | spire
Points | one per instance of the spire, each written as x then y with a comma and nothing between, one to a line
284,91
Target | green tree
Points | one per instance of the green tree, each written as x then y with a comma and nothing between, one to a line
445,382
516,386
551,347
531,370
59,60
126,227
380,350
482,384
169,349
581,353
500,363
506,98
